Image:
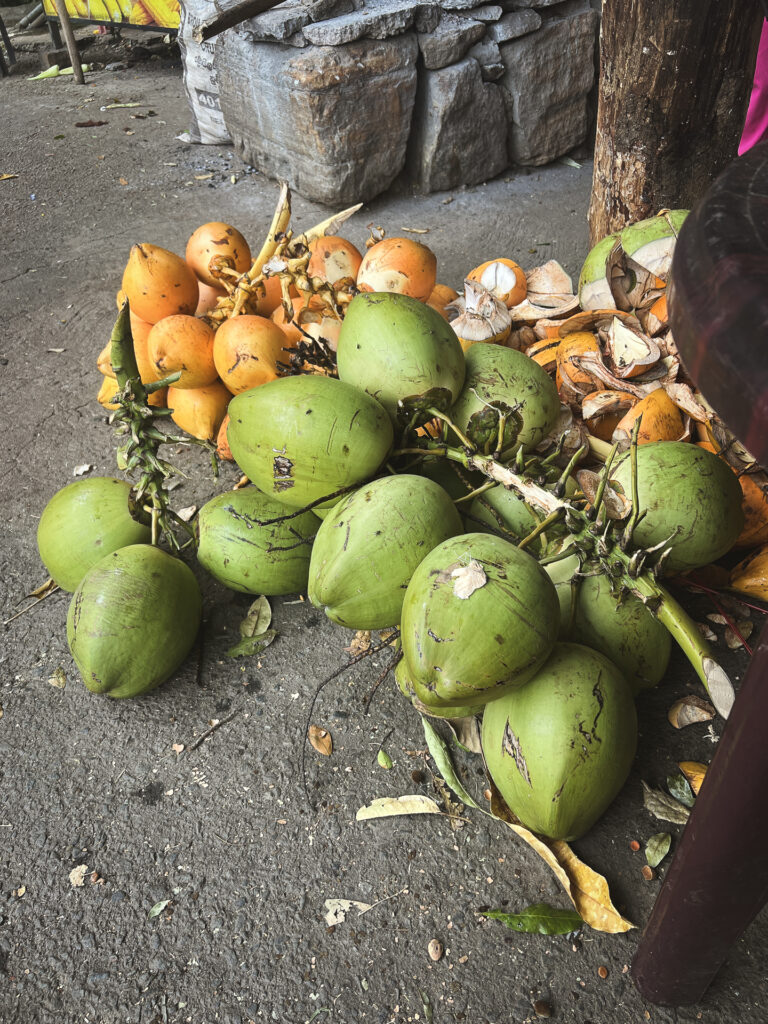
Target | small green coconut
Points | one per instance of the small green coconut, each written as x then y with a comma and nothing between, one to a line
370,544
395,347
133,620
244,555
479,617
85,521
560,748
503,381
305,437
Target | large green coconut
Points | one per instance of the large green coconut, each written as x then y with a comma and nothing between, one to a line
479,617
85,521
625,630
686,493
302,438
560,749
502,380
370,544
132,620
396,347
244,555
503,511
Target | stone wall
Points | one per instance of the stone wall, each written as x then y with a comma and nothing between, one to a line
339,97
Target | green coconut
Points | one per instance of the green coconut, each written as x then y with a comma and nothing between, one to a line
85,521
503,511
502,380
133,620
304,437
266,559
685,493
625,630
369,545
560,749
594,283
407,688
479,617
651,242
395,347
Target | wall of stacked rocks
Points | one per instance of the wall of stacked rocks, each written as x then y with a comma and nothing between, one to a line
339,97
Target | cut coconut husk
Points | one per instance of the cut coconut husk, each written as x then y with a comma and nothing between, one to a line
656,317
630,352
751,576
597,320
502,277
594,281
661,420
521,339
547,307
547,328
591,363
571,431
754,505
573,381
684,398
602,411
635,288
651,242
548,279
544,353
484,318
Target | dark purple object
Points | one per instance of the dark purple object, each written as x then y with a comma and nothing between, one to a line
718,298
718,880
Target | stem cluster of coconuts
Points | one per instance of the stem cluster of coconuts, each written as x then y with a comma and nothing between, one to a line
346,505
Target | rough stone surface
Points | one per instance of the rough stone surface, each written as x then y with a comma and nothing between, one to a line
379,19
284,21
548,76
524,4
514,25
333,122
490,12
449,41
459,129
461,5
488,56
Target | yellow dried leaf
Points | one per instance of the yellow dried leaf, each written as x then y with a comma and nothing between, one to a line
321,740
387,807
589,892
44,589
694,771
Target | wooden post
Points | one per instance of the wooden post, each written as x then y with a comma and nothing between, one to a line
69,39
675,80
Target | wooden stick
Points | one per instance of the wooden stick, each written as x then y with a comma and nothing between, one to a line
233,13
69,39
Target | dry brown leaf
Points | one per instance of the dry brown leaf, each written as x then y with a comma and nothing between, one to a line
321,740
44,589
690,710
694,771
361,642
122,181
662,805
736,640
391,806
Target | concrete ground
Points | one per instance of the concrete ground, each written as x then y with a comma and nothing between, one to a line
222,830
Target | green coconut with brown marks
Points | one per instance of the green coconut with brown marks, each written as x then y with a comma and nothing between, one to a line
686,495
409,690
395,347
370,544
244,550
560,749
85,521
502,381
302,438
480,617
133,620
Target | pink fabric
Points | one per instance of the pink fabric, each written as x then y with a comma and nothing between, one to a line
756,125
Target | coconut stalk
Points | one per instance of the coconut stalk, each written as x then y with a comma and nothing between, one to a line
141,440
612,552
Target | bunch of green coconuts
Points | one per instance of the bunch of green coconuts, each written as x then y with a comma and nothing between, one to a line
385,495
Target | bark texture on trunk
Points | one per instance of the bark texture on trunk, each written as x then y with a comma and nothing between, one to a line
675,80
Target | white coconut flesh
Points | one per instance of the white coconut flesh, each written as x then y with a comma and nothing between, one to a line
337,266
629,350
499,279
651,242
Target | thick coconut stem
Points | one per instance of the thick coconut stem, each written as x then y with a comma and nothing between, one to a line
684,630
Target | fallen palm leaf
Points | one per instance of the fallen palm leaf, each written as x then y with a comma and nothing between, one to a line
665,807
539,919
442,759
391,806
320,739
690,710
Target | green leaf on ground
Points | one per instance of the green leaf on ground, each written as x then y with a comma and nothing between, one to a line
442,759
539,919
250,645
680,789
657,848
157,909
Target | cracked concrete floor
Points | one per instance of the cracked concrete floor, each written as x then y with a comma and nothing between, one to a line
223,831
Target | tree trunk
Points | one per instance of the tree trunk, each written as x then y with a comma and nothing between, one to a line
675,80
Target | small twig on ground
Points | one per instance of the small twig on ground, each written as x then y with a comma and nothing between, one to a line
31,606
216,725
